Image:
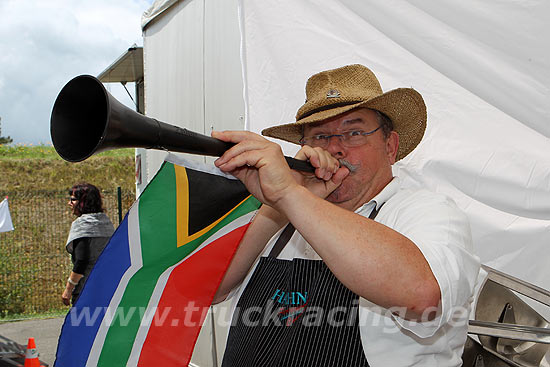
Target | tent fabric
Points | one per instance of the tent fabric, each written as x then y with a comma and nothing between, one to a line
157,8
483,69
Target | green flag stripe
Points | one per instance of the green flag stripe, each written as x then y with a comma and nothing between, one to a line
157,211
157,208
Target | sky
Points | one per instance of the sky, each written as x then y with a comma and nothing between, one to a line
46,43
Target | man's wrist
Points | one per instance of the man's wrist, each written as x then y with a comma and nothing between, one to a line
292,197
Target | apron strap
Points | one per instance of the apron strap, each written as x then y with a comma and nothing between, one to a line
287,233
375,211
282,240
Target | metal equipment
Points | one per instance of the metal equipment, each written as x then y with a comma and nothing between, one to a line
511,333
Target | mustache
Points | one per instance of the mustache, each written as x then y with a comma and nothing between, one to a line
352,167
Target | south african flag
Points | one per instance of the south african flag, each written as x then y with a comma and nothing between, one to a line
146,298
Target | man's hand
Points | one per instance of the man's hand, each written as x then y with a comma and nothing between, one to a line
260,165
328,173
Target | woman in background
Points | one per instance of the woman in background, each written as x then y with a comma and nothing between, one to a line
89,234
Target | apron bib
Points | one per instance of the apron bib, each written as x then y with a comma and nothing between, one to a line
295,313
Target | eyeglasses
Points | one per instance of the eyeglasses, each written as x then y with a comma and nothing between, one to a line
73,199
353,138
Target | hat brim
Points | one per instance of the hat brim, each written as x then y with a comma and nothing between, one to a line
404,106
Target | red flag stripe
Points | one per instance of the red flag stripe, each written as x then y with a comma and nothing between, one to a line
185,301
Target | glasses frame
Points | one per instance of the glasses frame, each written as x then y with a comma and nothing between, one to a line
72,200
342,137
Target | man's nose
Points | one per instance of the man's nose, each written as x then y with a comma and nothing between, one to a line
335,146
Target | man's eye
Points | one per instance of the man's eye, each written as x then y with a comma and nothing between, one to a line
320,137
355,133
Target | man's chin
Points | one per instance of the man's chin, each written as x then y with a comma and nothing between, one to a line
336,197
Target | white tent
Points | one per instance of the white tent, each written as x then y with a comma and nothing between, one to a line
483,68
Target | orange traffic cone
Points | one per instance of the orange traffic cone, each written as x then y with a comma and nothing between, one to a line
31,356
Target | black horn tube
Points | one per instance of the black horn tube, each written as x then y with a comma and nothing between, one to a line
86,119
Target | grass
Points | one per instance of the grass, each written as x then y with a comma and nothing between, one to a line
33,262
39,167
24,151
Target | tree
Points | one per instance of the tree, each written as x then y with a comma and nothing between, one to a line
4,139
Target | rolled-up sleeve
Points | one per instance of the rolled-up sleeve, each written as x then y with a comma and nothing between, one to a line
441,231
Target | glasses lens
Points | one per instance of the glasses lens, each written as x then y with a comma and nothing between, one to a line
354,140
322,141
348,139
313,141
316,142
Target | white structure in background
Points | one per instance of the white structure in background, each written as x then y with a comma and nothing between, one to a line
5,218
482,67
192,68
188,74
193,79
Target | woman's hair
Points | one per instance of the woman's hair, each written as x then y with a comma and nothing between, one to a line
89,199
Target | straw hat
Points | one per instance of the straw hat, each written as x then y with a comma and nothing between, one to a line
333,92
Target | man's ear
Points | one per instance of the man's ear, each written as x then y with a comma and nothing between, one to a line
392,144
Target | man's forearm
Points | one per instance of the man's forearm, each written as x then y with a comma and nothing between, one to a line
372,260
264,225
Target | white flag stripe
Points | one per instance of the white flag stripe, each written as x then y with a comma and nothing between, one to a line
136,262
197,166
163,279
5,218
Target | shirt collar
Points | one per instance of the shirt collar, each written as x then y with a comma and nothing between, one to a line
387,192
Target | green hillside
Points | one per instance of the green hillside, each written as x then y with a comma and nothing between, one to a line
40,168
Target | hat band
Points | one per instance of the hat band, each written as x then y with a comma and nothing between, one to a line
327,107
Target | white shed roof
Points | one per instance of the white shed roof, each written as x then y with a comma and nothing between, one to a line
127,68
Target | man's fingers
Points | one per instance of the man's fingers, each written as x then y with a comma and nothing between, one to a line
234,136
241,147
340,174
324,163
245,158
336,180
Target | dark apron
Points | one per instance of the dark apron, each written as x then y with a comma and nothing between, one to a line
295,313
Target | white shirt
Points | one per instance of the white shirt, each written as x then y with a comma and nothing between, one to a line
442,233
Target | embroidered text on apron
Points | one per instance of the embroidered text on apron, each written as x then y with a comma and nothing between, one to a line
295,313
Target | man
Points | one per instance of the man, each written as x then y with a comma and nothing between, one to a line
374,274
